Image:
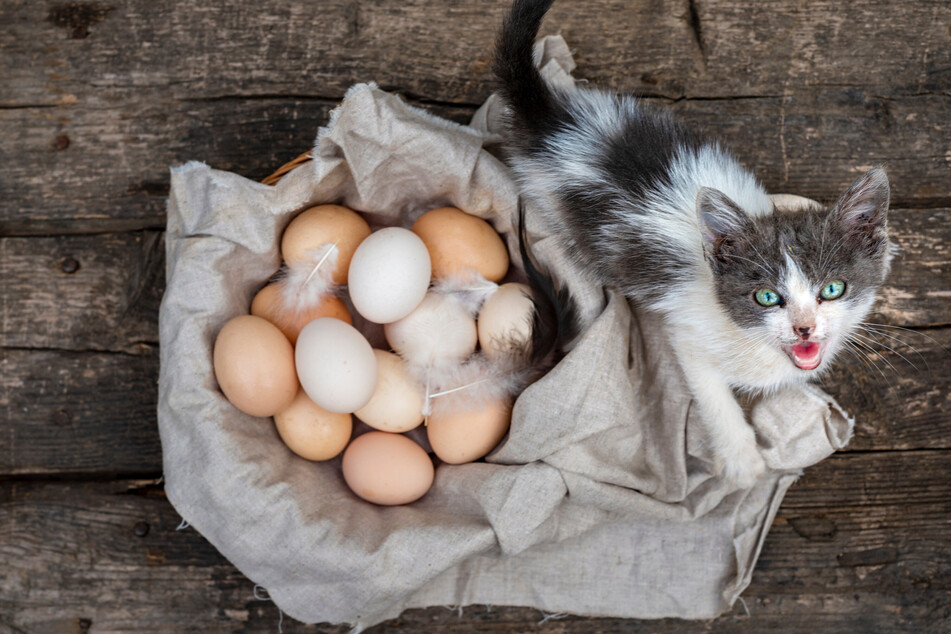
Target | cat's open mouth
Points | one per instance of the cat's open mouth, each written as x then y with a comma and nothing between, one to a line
806,355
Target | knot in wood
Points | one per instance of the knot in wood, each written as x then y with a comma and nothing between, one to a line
61,418
61,142
69,265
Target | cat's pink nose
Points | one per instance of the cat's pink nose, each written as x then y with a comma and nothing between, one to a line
803,331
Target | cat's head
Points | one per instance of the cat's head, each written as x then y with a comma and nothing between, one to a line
800,279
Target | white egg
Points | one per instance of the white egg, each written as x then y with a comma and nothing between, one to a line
389,275
336,365
440,329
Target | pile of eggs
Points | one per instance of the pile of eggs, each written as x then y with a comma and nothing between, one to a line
299,359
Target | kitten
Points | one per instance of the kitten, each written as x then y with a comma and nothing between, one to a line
754,297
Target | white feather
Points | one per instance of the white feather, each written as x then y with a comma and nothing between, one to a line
305,284
438,330
470,289
453,387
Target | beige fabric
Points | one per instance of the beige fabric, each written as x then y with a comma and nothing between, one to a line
599,502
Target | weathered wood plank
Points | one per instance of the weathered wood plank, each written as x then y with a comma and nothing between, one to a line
67,413
897,405
102,292
817,141
59,53
85,169
917,291
94,413
854,548
98,292
90,130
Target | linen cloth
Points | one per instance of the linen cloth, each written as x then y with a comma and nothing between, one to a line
599,502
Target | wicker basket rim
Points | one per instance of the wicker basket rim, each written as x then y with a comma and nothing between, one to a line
287,167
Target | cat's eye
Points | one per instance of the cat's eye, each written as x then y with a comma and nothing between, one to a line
767,297
832,290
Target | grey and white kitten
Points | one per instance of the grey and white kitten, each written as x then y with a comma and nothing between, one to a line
754,297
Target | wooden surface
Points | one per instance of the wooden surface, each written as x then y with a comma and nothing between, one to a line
97,100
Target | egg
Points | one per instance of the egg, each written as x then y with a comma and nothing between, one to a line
397,402
336,365
312,432
387,469
389,275
268,304
505,318
320,225
440,329
458,241
463,436
254,365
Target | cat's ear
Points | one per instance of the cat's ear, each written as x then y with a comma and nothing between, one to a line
722,224
862,210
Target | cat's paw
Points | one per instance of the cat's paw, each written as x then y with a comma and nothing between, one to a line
740,463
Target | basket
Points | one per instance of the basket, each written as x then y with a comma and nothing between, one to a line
599,502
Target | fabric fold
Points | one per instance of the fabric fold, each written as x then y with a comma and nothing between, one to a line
600,501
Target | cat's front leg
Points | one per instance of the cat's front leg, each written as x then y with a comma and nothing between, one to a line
731,439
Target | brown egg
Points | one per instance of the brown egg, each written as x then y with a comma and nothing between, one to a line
458,242
268,304
397,402
312,432
463,436
321,225
254,365
387,469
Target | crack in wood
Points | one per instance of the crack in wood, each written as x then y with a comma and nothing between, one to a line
145,348
262,97
696,27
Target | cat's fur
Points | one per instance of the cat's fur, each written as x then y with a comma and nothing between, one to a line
673,220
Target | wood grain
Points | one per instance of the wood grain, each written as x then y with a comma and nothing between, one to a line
68,413
98,99
92,127
440,50
874,567
111,300
88,169
82,169
897,405
97,292
94,413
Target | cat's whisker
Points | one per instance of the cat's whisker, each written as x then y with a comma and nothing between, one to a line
874,332
849,347
889,348
862,356
875,352
882,333
756,251
822,245
753,262
835,249
745,344
915,332
858,353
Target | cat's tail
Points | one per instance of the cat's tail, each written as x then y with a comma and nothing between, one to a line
555,322
533,106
